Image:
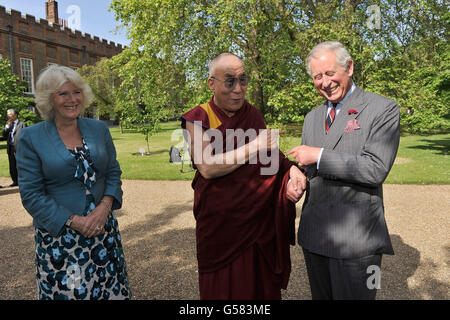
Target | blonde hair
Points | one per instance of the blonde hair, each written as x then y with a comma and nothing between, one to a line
50,80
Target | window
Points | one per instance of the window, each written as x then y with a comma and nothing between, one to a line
26,67
74,56
92,59
51,52
25,46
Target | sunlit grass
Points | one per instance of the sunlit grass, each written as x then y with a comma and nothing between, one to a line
420,159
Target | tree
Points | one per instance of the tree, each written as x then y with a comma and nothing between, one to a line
274,37
102,79
11,94
150,89
413,67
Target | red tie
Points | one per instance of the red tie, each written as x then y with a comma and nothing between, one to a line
330,117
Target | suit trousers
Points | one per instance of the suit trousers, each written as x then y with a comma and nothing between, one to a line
342,279
12,162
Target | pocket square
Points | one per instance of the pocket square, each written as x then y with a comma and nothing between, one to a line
352,125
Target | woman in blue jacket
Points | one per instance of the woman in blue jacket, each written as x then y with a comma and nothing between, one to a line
69,181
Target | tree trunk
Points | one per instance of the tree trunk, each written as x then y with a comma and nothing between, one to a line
258,97
148,145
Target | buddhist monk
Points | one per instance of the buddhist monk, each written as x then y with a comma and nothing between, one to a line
245,192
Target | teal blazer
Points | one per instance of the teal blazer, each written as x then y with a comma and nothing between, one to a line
46,168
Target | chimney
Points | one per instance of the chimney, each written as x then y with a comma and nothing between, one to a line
51,11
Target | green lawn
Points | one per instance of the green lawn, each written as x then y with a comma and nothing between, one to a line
420,159
155,166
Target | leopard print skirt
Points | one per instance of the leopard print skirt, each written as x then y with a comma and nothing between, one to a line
73,267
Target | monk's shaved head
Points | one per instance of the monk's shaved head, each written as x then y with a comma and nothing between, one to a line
225,74
216,61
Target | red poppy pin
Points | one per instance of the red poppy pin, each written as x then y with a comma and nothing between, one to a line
352,111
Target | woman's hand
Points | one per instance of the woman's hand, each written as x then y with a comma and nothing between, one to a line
93,224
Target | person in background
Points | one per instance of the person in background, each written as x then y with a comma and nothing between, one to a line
11,133
70,184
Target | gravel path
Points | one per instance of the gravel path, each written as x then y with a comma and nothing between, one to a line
157,228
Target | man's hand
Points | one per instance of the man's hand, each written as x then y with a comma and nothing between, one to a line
305,155
296,187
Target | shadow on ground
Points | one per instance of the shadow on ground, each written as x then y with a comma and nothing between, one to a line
395,271
8,190
17,270
162,264
441,147
161,261
398,268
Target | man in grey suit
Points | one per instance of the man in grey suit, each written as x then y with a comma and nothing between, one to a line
11,133
349,144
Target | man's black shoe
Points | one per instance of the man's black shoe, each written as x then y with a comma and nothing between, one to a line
15,184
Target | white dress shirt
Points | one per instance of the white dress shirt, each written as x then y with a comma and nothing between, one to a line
14,129
338,108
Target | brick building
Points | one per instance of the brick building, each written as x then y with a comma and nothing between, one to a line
32,44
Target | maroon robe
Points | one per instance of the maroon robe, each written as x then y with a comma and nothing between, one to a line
242,215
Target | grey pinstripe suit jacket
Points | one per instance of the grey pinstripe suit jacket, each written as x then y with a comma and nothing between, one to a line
343,213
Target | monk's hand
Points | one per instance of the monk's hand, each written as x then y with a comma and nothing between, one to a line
305,155
297,185
268,139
